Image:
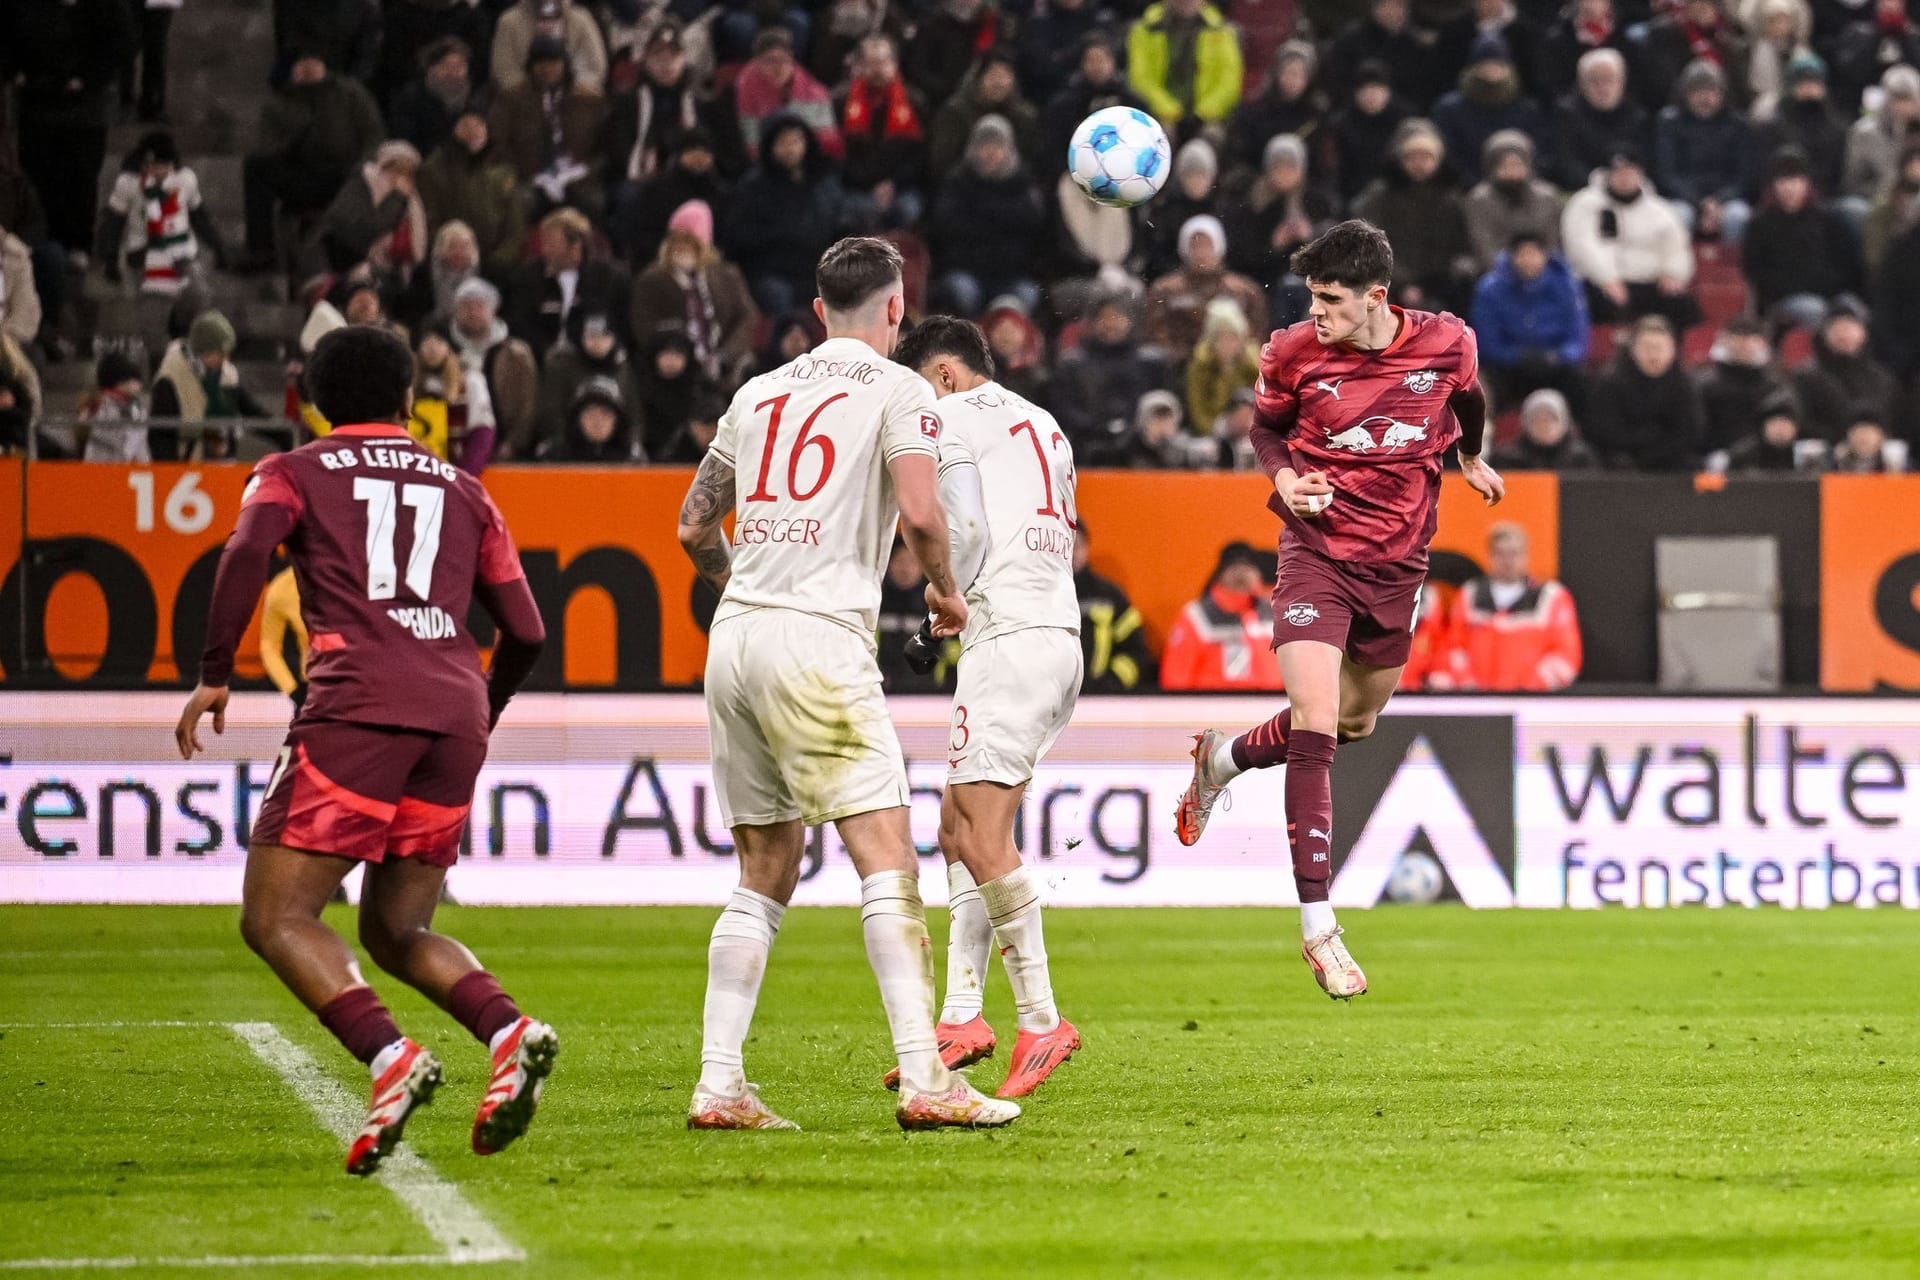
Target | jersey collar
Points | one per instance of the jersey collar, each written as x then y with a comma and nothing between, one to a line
372,431
1398,338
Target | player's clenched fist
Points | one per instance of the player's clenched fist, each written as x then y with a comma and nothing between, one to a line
1306,496
948,610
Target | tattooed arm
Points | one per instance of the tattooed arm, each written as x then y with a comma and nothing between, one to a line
709,499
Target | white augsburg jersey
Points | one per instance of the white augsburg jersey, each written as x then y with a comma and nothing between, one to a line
1027,483
814,509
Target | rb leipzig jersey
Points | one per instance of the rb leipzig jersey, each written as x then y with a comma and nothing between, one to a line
1377,423
387,544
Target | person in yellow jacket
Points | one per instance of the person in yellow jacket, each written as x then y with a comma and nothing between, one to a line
279,614
1183,59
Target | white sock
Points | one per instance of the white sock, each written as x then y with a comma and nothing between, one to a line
901,953
1013,905
384,1059
736,962
1221,768
969,947
1315,919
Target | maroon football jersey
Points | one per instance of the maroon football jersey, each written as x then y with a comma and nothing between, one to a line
1377,423
387,544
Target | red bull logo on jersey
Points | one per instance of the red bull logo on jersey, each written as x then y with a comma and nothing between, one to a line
1362,438
1420,383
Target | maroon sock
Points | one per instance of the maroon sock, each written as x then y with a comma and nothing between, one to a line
1264,745
479,1005
358,1020
1310,811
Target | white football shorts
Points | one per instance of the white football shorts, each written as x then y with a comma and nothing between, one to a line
1015,695
799,725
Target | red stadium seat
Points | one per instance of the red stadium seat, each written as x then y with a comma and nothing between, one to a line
1796,348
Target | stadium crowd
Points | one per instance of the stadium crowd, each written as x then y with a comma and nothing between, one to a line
1683,232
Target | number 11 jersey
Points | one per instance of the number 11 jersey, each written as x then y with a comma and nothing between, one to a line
387,544
814,509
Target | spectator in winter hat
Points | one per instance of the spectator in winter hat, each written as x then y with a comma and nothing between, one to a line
1192,191
1176,304
1530,315
507,364
1360,132
198,382
155,221
1226,360
1705,156
1548,440
314,134
599,429
1596,118
691,289
1876,141
592,350
113,415
1843,375
1418,204
773,85
377,222
990,89
987,224
1692,30
424,110
1489,100
1865,449
1510,200
568,22
1289,103
1777,447
1269,215
1800,252
1805,119
1741,377
784,214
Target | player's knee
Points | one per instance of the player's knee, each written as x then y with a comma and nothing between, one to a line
385,945
1354,728
256,929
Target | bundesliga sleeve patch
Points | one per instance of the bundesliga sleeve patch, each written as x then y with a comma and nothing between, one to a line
929,426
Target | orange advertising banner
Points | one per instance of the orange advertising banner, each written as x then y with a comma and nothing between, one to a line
116,587
1869,583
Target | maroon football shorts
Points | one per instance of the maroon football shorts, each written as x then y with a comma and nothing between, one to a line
365,791
1367,611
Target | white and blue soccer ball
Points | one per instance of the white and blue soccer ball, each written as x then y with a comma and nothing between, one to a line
1120,157
1417,878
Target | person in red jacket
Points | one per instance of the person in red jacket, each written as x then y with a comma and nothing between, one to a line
1513,632
1224,640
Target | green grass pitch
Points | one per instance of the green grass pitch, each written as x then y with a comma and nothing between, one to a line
1524,1094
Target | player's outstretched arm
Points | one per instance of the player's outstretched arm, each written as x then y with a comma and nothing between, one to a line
923,523
708,501
1469,405
237,584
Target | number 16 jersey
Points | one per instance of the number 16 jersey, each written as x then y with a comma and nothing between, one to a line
1027,487
814,509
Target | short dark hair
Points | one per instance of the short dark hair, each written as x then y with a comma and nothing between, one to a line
360,374
946,336
854,269
1353,253
1526,235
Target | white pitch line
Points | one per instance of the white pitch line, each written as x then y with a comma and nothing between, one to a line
462,1230
262,1260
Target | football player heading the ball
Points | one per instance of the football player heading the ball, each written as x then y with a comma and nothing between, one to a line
1356,408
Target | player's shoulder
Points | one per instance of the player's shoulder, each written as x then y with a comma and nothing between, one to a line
1290,347
1437,330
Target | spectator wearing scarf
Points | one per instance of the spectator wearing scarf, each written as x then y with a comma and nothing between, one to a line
155,221
692,290
883,121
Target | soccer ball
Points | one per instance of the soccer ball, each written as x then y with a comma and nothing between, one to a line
1417,878
1120,157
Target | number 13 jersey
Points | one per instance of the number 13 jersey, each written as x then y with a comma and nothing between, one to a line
814,509
1027,484
387,544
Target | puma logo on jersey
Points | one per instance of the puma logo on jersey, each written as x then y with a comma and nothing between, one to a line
1316,834
1331,388
425,622
1420,383
1360,439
